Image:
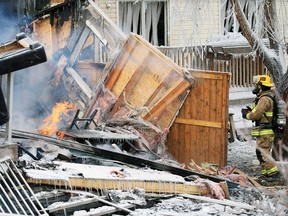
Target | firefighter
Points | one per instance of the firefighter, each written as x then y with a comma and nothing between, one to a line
261,114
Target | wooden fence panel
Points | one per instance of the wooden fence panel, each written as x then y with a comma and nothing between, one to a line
200,129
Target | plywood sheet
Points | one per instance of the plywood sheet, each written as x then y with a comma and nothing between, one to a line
144,79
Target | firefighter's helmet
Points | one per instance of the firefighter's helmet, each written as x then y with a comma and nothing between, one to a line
264,80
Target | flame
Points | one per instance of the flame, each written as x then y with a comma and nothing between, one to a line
50,126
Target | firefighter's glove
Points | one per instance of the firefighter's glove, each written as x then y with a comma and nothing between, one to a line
244,113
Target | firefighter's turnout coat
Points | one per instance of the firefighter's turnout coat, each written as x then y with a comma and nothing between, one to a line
262,114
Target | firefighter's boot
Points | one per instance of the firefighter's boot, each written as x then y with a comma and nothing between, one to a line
273,172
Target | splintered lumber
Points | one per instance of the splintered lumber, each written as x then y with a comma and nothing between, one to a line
109,177
124,207
96,134
109,30
146,83
71,204
91,150
251,180
221,202
83,202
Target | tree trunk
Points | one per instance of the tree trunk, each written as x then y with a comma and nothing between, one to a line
272,58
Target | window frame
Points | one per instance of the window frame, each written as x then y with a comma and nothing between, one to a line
143,17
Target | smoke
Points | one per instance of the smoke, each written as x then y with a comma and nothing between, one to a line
27,112
8,21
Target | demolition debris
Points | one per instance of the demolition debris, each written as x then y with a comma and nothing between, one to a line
103,151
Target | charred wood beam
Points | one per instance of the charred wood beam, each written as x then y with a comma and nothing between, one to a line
41,13
116,156
79,45
80,82
98,135
120,34
98,34
212,55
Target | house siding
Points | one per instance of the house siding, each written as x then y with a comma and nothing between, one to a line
110,10
185,27
192,22
281,10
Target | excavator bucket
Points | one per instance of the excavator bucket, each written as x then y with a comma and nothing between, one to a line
20,53
16,55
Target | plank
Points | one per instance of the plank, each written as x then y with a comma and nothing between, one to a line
80,82
87,201
109,177
11,46
96,134
79,45
199,122
84,148
206,116
219,154
112,25
213,134
221,202
179,88
250,179
232,128
121,63
151,187
98,34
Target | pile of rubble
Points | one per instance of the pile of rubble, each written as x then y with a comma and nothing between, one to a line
112,159
49,180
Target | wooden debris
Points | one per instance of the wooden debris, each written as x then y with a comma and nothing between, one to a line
108,177
97,134
222,202
92,199
252,181
137,161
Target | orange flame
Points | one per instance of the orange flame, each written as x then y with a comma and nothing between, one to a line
50,126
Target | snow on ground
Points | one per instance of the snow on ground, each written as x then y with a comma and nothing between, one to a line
241,152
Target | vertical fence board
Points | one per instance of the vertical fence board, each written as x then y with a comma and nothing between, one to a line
202,121
242,72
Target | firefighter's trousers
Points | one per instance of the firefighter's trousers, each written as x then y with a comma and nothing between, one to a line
263,151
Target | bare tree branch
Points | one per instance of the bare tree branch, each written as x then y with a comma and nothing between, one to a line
271,57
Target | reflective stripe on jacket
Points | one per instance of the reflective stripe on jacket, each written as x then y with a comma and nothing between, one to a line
262,114
260,132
